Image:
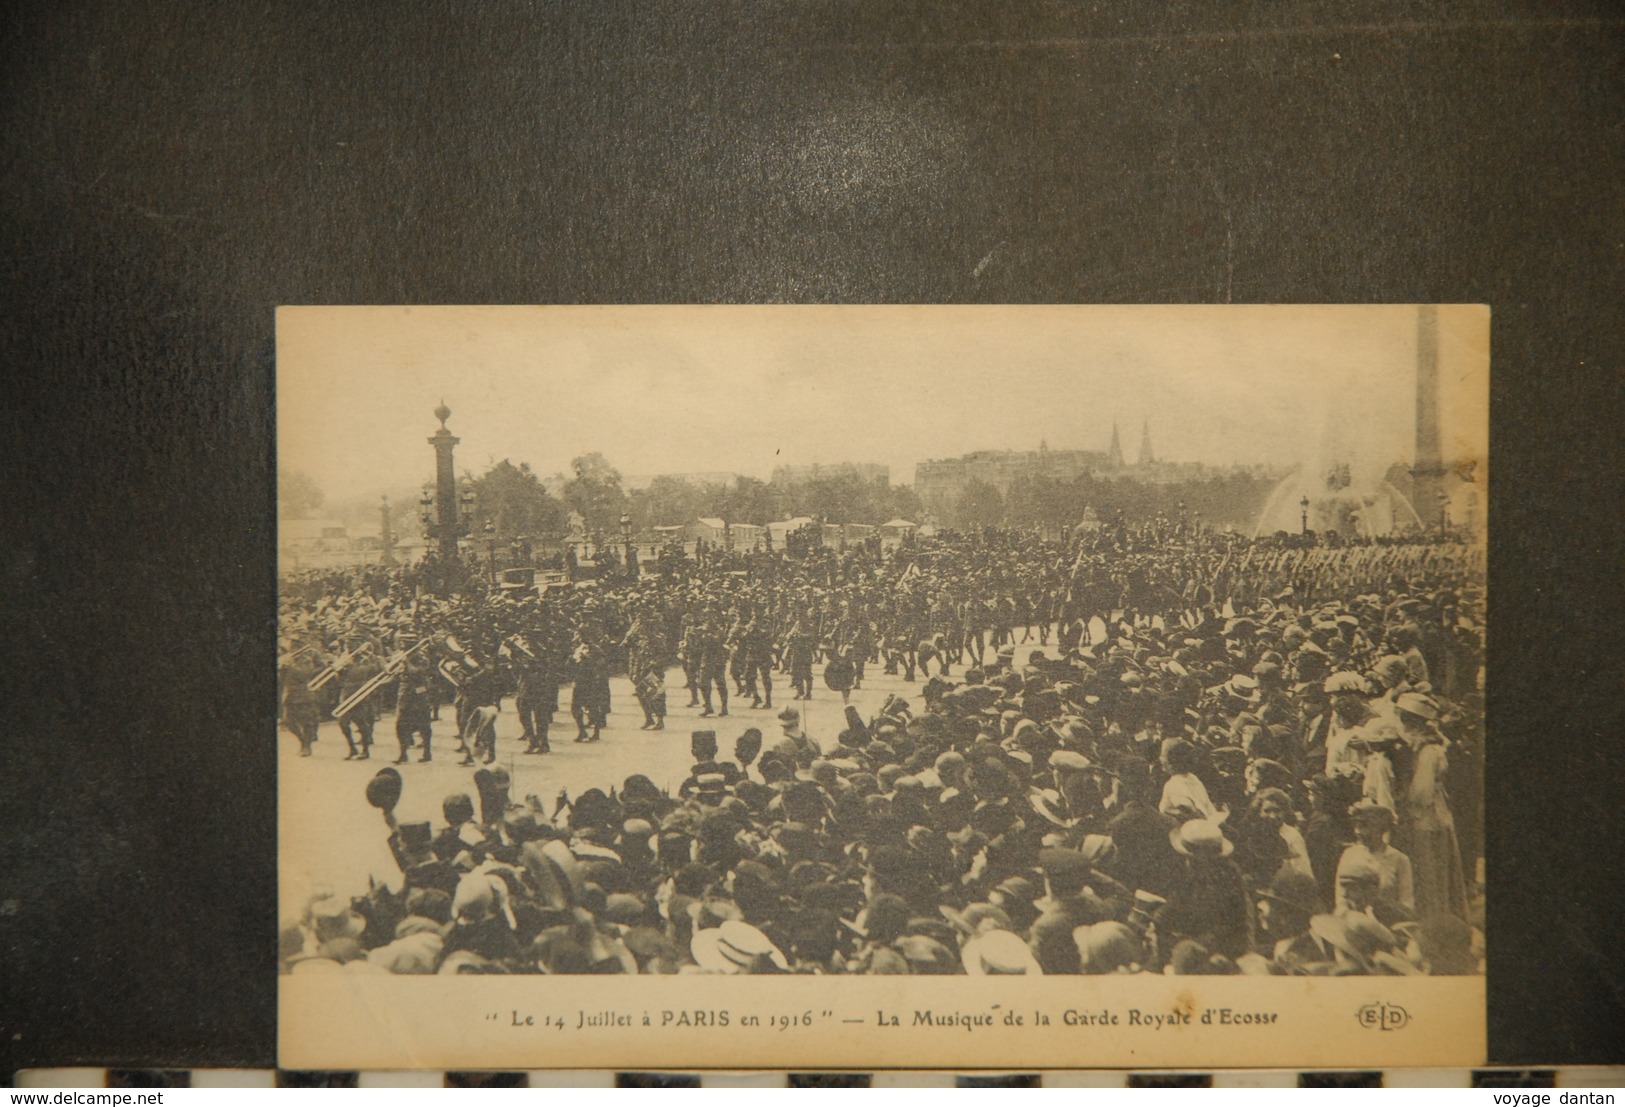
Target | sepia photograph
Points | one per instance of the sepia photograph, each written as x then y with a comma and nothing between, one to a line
815,665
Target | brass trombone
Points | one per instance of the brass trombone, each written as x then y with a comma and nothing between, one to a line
289,657
340,663
391,669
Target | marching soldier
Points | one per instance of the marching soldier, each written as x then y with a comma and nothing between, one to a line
530,701
733,648
862,643
589,699
712,665
646,668
363,715
798,650
300,713
757,649
688,654
652,695
482,702
412,705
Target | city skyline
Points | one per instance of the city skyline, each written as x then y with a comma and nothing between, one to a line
750,390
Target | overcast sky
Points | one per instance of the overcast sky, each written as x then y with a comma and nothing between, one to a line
743,389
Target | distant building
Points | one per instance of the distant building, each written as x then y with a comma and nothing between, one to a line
939,484
780,528
790,475
324,544
710,530
745,536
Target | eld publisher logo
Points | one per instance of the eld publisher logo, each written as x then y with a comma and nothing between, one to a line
1383,1016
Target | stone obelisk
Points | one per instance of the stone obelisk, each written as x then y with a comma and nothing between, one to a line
1427,471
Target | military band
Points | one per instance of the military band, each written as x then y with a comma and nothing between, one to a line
1221,757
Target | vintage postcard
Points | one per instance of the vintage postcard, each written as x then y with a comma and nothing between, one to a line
730,687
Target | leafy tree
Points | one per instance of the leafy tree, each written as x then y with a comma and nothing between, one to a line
668,501
847,498
512,497
594,490
297,495
902,503
1041,502
748,500
980,505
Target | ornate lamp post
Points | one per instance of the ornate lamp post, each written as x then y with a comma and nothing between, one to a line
1304,504
466,512
426,511
491,548
386,536
626,543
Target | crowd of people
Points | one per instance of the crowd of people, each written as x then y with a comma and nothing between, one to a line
1129,751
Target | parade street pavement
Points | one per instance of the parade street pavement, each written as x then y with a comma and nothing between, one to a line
329,837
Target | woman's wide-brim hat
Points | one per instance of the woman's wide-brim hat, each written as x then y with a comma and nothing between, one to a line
1370,809
1415,703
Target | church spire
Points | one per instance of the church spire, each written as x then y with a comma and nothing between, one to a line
1114,456
1146,457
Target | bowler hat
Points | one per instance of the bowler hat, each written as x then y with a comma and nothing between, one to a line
1056,861
384,789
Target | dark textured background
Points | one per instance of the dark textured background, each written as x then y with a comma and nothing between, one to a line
169,172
